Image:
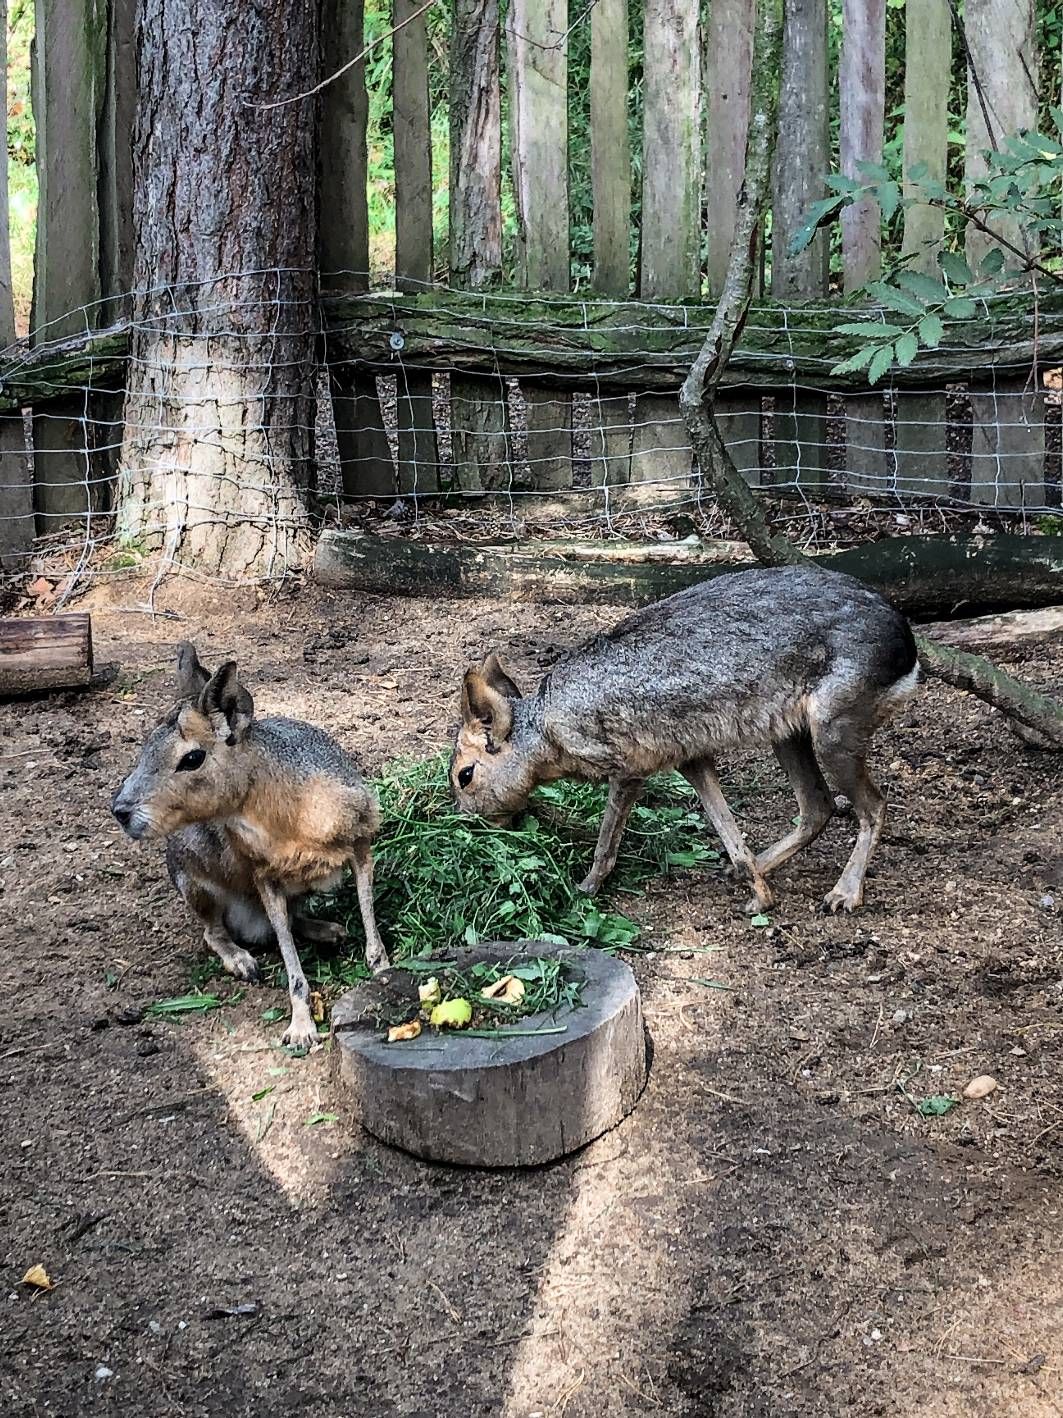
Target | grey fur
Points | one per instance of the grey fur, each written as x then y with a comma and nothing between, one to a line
809,662
269,810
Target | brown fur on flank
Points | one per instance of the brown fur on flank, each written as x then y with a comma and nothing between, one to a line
255,813
808,662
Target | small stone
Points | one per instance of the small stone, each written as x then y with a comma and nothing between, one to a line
876,1335
1047,902
901,1016
155,1326
981,1087
103,1372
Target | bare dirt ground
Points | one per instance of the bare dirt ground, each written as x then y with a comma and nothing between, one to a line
774,1231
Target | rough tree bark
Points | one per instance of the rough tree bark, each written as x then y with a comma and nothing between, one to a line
219,410
1030,708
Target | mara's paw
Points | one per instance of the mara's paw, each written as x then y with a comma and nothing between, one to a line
590,885
242,965
840,899
377,959
301,1034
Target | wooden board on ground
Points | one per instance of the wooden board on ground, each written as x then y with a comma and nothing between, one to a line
920,575
515,1101
41,653
994,632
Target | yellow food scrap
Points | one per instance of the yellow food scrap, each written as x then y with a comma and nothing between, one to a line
401,1032
452,1014
508,990
317,1006
430,993
39,1278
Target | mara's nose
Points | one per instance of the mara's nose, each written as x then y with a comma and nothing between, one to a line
123,814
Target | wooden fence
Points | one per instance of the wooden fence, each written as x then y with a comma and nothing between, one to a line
665,185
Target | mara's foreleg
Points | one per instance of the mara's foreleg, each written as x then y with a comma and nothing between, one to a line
624,793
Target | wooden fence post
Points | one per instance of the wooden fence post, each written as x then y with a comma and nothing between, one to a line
366,465
536,46
69,80
1008,443
802,160
16,492
920,419
479,419
862,88
411,125
669,258
729,62
610,148
1001,84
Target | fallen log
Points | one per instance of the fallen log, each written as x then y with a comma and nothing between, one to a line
41,653
995,632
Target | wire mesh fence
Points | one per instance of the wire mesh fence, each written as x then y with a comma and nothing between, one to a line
246,401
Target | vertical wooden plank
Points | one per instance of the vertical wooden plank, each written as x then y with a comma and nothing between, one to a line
927,68
610,148
862,102
418,449
475,146
548,415
16,493
69,64
413,146
802,159
343,211
661,451
1001,86
538,110
920,419
479,420
116,157
862,96
1008,444
610,441
366,465
671,151
729,61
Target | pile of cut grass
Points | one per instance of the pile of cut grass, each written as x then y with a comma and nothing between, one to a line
445,880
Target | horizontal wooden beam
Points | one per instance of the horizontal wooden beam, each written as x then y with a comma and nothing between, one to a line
609,345
921,575
40,653
624,346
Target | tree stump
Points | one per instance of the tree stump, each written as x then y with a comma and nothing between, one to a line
497,1102
42,653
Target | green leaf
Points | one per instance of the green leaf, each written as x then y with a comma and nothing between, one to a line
182,1004
860,360
262,1093
837,182
271,1015
712,984
882,361
955,267
894,299
925,287
869,329
1057,117
992,263
960,308
889,199
906,349
918,171
931,331
316,1118
760,920
937,1105
815,215
874,172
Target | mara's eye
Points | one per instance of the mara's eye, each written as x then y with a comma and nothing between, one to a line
193,759
465,776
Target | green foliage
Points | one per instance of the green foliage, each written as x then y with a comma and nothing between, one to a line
444,879
1020,191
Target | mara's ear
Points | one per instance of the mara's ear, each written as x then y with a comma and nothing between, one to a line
227,704
191,676
497,678
484,706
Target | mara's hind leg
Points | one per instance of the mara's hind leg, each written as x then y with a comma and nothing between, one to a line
814,802
623,795
842,748
376,956
701,774
210,911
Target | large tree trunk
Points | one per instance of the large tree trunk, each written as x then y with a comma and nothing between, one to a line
218,445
